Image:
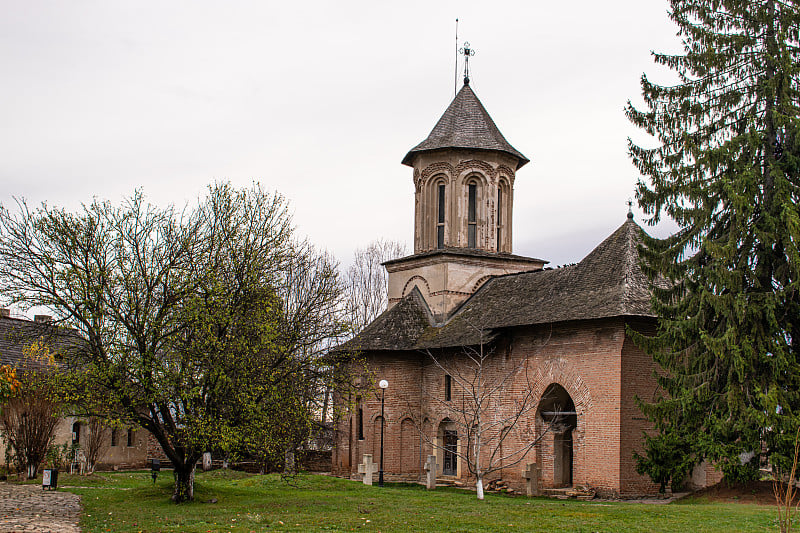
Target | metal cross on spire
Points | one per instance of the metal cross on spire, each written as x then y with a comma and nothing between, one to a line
468,52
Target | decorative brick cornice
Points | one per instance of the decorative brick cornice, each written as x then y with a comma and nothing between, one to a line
480,282
407,286
558,371
475,164
450,293
503,170
441,167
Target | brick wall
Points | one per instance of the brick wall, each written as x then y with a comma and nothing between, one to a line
402,406
583,358
593,361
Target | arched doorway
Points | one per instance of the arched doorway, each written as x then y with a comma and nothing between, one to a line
557,417
448,442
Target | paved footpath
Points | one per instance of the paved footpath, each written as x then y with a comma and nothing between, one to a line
29,508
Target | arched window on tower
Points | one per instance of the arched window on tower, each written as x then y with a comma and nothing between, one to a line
472,215
440,217
500,217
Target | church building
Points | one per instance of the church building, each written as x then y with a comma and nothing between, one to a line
480,343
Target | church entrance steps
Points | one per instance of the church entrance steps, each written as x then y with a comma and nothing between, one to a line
560,493
449,482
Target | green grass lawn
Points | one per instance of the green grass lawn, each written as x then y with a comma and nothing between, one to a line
128,501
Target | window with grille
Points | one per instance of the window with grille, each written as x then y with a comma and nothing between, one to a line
360,420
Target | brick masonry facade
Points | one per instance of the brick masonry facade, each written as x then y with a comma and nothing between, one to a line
561,357
594,361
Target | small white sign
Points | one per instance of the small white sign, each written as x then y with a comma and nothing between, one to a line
46,478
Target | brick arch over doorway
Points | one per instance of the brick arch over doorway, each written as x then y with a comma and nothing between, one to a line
556,419
558,371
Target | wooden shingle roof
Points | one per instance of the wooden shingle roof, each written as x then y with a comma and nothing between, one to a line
398,328
465,124
17,334
606,283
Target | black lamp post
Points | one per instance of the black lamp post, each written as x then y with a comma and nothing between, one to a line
382,384
155,468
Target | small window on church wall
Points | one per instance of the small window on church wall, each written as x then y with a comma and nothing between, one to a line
114,436
472,223
130,437
360,420
76,433
448,388
499,217
440,218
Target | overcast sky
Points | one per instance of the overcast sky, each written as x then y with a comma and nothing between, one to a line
320,101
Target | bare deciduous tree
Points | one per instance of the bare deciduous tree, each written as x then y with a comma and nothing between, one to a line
485,410
365,297
310,291
367,282
785,491
97,441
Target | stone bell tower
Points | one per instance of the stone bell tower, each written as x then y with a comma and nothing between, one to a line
464,192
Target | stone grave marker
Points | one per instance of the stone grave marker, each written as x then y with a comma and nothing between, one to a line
532,473
367,468
430,468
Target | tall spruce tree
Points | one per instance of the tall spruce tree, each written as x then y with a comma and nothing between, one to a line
725,169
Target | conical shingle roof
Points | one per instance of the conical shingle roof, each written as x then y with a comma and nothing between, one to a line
465,124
